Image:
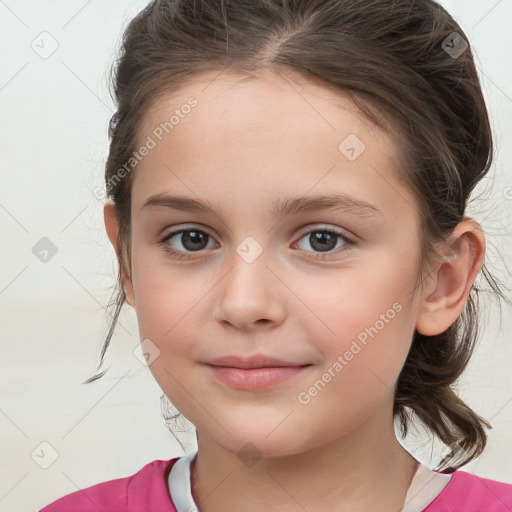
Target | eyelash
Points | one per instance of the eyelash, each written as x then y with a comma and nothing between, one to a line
319,256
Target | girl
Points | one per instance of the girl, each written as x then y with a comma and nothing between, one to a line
287,186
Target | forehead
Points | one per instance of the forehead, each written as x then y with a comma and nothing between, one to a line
287,130
267,93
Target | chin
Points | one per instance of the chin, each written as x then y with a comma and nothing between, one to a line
256,444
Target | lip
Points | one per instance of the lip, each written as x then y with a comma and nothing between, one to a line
254,373
256,361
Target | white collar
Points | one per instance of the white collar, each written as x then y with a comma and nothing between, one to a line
425,486
180,485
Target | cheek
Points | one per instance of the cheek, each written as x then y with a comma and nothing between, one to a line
168,305
365,330
361,366
167,315
360,302
166,295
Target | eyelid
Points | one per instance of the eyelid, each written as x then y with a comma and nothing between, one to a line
325,227
177,230
185,227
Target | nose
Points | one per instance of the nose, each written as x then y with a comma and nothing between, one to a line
251,295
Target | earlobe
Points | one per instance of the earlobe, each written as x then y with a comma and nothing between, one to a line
448,289
112,228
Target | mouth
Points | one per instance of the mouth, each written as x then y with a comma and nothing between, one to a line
253,377
253,362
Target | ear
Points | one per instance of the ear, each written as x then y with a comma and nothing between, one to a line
112,227
447,289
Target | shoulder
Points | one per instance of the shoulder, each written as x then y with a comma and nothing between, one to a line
466,492
145,490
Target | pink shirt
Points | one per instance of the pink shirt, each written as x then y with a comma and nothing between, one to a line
147,491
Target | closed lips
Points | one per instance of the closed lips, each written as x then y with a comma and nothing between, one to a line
253,362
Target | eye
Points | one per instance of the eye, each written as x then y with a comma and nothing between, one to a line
325,241
193,240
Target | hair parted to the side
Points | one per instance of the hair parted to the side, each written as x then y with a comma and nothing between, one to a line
388,57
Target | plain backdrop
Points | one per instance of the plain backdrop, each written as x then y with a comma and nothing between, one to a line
53,138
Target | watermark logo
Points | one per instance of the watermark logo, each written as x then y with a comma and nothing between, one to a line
455,452
44,250
146,352
249,249
455,45
44,455
352,147
249,455
45,45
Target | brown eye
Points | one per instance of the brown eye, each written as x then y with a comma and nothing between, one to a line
324,241
186,240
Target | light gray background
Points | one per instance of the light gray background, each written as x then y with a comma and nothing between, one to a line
53,140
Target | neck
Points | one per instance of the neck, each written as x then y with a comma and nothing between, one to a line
366,469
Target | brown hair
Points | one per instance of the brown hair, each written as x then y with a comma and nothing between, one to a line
391,58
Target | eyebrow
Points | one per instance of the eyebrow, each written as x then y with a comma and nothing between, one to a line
280,208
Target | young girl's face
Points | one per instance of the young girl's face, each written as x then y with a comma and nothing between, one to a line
247,280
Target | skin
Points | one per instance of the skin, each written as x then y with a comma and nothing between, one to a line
247,143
